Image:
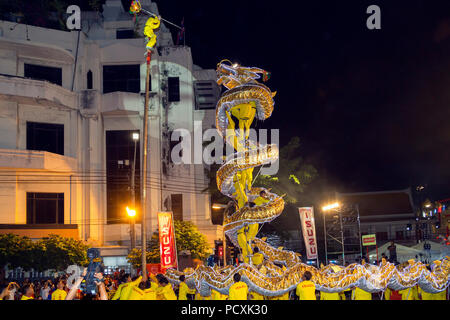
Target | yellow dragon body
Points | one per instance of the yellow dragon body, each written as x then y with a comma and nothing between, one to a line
247,99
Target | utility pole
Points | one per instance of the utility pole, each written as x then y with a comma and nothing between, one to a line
133,191
144,172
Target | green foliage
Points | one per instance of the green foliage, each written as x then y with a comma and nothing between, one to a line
61,252
187,237
293,176
54,252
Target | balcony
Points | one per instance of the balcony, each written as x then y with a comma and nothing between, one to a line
122,103
35,160
35,92
39,231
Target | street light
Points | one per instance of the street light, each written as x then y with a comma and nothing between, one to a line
218,206
131,213
326,208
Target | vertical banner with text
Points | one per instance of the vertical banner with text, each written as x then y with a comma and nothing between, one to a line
167,244
309,231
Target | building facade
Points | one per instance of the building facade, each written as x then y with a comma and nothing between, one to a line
69,104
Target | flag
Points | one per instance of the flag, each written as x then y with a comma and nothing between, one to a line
180,35
309,231
167,244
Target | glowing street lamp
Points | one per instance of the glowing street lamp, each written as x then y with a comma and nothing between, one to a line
331,206
131,213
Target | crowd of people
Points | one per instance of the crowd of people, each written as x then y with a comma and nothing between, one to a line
121,286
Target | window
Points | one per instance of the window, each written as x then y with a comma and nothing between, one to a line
119,158
125,34
174,89
45,208
125,78
45,137
89,80
177,206
206,94
50,74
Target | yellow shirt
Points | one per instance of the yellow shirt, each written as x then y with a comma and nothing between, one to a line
136,293
24,297
330,296
360,294
306,290
59,295
150,293
184,291
165,293
198,296
124,290
256,296
409,294
257,258
238,291
216,295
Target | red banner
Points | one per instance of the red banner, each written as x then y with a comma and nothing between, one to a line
309,231
168,251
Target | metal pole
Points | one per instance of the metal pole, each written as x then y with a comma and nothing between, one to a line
359,230
342,238
133,197
224,248
144,172
325,236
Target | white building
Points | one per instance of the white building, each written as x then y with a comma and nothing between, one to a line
69,102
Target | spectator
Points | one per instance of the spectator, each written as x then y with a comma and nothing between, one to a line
392,252
28,292
59,293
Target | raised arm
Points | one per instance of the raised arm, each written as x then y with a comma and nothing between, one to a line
75,286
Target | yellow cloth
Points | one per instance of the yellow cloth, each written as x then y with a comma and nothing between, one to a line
165,293
306,290
440,296
257,258
136,293
238,291
409,294
26,298
198,296
59,294
256,296
124,290
184,291
360,294
216,295
330,296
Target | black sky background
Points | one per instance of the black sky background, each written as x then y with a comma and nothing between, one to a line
371,106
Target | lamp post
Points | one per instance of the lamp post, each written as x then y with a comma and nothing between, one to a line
326,208
132,214
135,137
218,206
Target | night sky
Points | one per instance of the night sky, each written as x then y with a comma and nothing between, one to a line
371,106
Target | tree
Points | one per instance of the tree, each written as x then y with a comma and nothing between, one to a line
15,251
54,252
61,252
187,238
293,176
